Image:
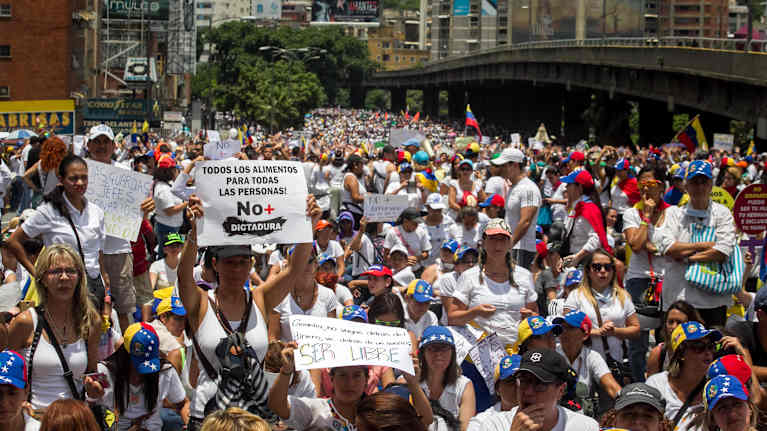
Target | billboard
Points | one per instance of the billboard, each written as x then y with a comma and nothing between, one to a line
614,18
461,7
553,19
140,70
267,9
344,11
58,115
136,9
489,8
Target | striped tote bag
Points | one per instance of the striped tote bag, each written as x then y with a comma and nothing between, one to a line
717,278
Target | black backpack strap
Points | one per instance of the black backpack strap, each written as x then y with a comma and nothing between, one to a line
687,402
31,355
68,376
206,365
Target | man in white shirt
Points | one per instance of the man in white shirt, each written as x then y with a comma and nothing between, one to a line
118,255
541,382
522,205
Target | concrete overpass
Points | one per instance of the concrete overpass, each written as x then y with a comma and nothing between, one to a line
525,84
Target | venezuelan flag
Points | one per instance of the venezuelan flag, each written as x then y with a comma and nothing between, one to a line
751,149
472,121
692,136
428,180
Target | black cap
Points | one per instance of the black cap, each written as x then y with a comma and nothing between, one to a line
353,159
224,251
546,364
410,213
640,393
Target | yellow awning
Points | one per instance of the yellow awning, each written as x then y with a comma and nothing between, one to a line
64,105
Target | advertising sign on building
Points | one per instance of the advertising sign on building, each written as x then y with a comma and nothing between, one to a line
267,9
344,11
136,9
58,115
119,114
140,70
461,7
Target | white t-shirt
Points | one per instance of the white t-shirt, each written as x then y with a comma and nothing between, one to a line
639,265
589,365
428,319
343,294
437,236
611,309
445,285
368,251
568,420
166,276
466,237
325,303
316,413
319,185
164,199
415,242
403,277
660,382
507,300
495,186
333,249
413,195
620,200
559,211
524,194
30,423
450,400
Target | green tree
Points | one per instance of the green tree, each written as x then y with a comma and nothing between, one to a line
377,99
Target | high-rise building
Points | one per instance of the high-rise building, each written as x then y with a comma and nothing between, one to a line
215,12
693,18
395,44
460,27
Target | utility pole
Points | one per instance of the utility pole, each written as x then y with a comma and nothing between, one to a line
750,25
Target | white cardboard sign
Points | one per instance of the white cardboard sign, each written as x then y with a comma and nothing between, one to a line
220,150
252,202
119,192
724,141
384,207
324,342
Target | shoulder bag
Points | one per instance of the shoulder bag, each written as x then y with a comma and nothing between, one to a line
621,371
713,277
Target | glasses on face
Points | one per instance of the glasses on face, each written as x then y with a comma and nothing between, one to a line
700,346
58,272
532,381
388,322
596,267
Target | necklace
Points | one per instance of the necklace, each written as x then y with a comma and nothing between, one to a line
300,298
62,337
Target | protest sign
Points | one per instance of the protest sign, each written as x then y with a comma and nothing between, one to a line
252,202
750,209
485,355
9,296
384,207
218,150
465,338
398,137
119,192
724,141
213,136
516,139
324,342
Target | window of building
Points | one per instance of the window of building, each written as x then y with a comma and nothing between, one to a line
412,59
205,5
5,92
5,51
386,57
386,45
396,58
5,10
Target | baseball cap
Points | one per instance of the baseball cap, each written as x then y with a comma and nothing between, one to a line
225,251
411,213
509,155
497,226
421,158
573,277
173,238
507,367
471,149
324,257
462,252
421,291
576,319
322,224
101,130
760,299
398,249
434,201
575,155
640,393
623,164
732,365
353,311
451,245
723,387
466,162
143,344
495,200
172,304
534,325
540,248
14,369
546,365
377,271
699,167
354,158
436,334
345,215
689,331
405,166
166,161
580,176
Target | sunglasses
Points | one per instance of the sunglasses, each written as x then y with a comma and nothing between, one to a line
466,169
596,267
700,346
388,322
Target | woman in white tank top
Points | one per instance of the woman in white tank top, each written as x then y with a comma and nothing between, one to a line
353,192
74,322
232,265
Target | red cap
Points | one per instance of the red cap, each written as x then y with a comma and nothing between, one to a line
733,365
541,248
377,271
166,161
322,224
577,156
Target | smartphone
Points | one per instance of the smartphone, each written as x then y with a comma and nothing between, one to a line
99,377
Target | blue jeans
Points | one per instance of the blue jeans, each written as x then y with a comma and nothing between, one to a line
25,197
161,231
638,347
171,421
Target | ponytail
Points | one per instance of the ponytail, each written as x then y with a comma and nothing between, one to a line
509,264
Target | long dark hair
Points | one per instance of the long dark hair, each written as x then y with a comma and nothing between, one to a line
56,196
451,375
386,303
389,412
510,263
120,364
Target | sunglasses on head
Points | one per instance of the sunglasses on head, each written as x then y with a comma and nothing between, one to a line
596,267
388,322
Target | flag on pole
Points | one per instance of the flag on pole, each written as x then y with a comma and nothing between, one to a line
134,129
692,136
751,149
471,121
145,126
416,117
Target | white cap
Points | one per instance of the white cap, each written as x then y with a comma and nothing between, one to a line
233,133
399,248
434,201
99,130
509,155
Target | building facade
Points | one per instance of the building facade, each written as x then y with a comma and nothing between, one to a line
693,18
395,43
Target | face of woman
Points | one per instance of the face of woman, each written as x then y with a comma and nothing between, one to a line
438,356
378,285
173,249
469,221
233,270
75,180
611,218
698,355
493,211
409,225
729,180
348,384
639,417
601,271
464,171
732,414
406,174
507,390
646,175
398,261
674,318
61,279
699,187
174,323
11,400
497,245
573,191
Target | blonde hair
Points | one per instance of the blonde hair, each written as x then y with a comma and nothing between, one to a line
234,419
82,306
585,287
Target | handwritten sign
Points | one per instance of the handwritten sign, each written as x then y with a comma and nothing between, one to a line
486,354
465,338
324,342
750,209
219,150
119,193
252,202
213,136
724,141
384,207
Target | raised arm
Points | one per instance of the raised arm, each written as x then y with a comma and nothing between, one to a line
191,295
